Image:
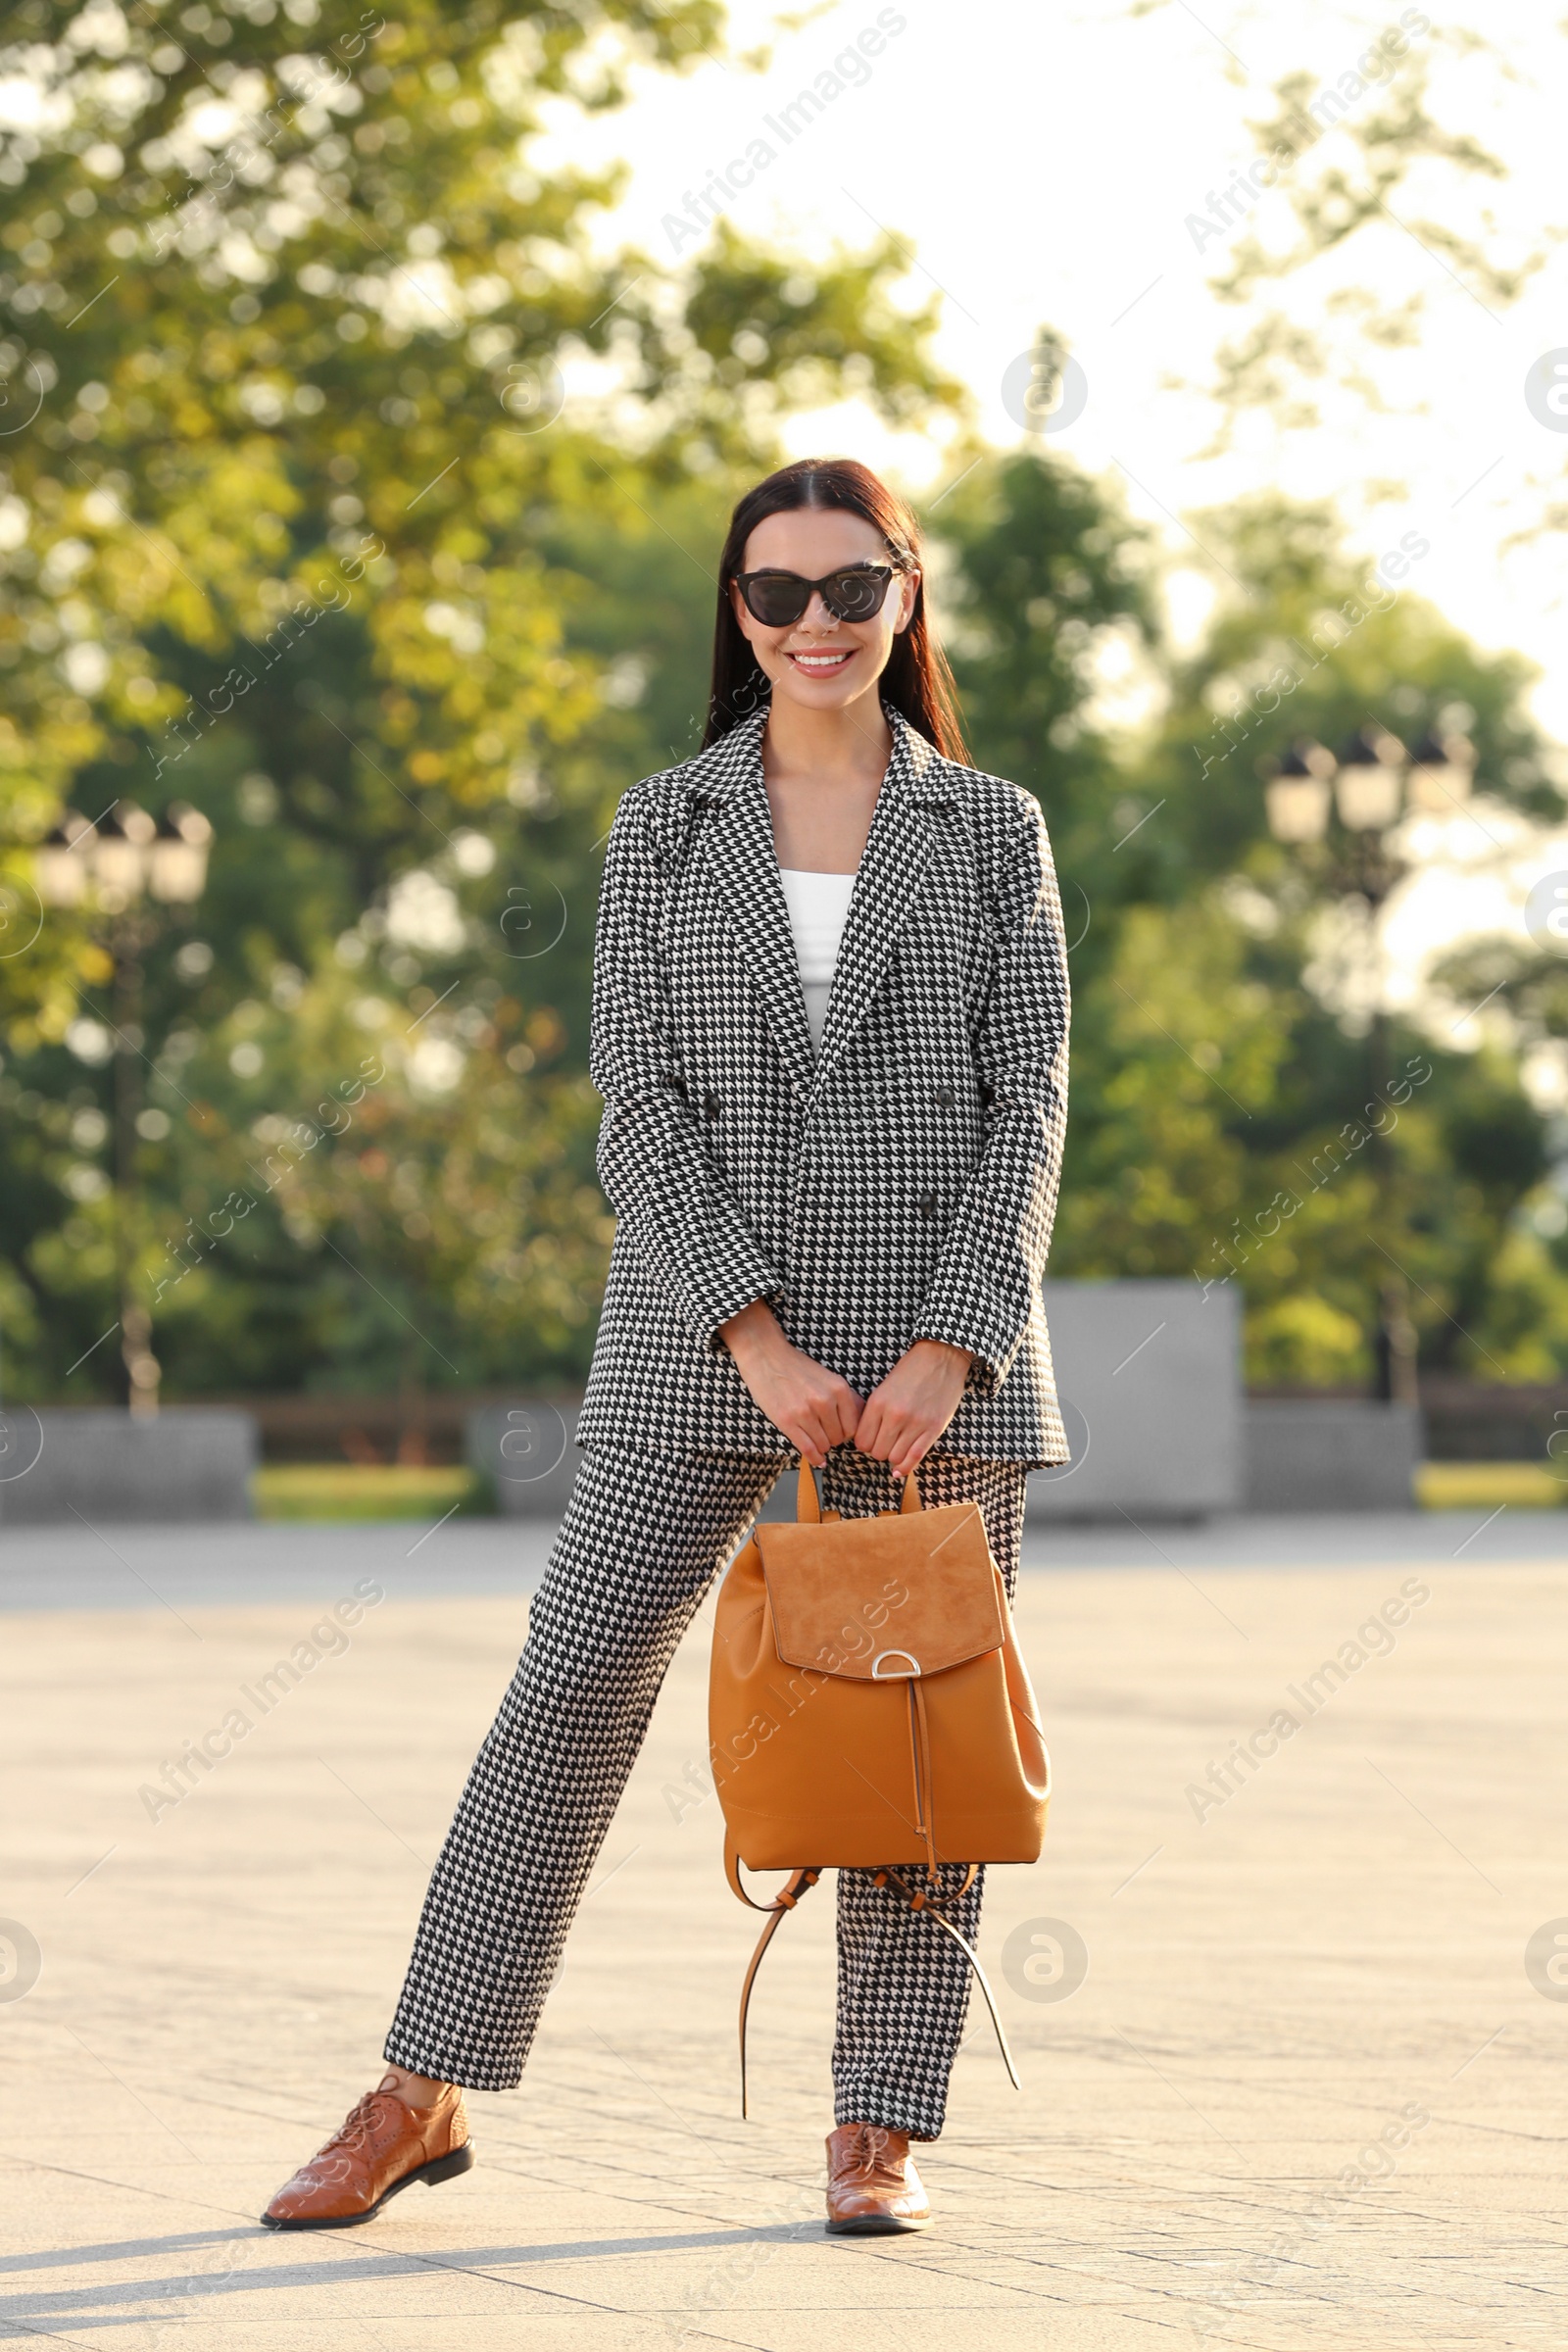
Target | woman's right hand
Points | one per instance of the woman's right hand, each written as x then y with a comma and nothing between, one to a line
813,1407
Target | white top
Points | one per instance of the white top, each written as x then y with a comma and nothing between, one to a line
818,904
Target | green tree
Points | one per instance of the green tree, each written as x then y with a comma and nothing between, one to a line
308,530
1222,1069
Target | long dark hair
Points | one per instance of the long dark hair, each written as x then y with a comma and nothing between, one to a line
917,680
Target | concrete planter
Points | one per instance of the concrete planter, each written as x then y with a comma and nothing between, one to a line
1341,1455
65,1464
527,1453
1149,1379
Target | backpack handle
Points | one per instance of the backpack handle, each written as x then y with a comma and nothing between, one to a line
808,1509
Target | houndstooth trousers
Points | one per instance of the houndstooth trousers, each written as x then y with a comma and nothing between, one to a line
643,1538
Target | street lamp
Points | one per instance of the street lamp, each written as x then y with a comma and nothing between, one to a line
1369,775
1370,783
177,866
1297,793
116,865
1440,770
125,854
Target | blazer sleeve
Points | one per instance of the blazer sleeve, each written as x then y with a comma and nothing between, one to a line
988,1276
673,1205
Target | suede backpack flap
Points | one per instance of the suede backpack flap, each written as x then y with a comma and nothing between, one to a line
887,1598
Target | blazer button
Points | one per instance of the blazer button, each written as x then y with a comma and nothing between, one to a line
946,1097
927,1206
712,1105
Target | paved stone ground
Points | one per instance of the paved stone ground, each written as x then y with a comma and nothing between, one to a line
1306,2096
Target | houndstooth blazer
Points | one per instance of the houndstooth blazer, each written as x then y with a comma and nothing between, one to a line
899,1186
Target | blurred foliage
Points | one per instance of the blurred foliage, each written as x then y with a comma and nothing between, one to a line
1219,1125
301,523
324,1492
1360,160
1489,1486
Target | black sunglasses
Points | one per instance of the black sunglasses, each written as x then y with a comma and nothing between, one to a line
778,599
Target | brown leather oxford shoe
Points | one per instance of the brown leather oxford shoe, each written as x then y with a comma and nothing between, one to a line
873,2189
381,2147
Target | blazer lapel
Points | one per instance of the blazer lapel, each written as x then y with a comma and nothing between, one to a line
739,845
892,869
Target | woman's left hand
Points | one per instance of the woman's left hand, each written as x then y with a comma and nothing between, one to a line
904,1415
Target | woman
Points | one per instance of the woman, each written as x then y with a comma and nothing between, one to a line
829,1025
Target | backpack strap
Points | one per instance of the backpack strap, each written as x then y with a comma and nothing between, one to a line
920,1901
799,1882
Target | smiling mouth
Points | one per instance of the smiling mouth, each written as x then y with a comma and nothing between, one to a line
823,665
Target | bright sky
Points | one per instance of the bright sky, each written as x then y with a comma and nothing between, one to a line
1043,164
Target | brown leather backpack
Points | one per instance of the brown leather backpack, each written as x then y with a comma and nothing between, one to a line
868,1708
